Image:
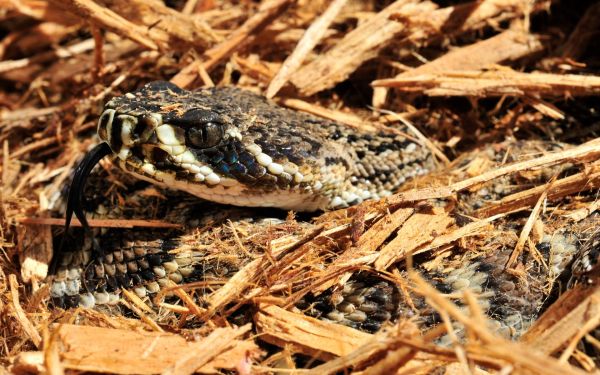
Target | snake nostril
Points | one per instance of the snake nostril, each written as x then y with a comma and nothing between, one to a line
145,125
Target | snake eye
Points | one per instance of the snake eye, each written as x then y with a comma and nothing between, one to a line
210,134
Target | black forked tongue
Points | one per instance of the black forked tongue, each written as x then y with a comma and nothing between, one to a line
75,198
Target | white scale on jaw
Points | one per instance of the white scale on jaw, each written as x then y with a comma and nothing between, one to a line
237,195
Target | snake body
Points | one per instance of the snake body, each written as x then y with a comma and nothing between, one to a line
149,262
230,146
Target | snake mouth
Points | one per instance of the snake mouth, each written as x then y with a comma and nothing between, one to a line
165,163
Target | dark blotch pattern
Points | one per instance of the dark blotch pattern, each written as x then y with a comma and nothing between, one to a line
374,292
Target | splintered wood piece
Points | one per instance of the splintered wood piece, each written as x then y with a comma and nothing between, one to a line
61,53
156,26
506,46
495,83
583,212
421,22
475,15
20,314
39,10
248,275
524,236
492,347
86,348
168,27
358,46
338,365
303,334
560,188
309,40
472,229
104,17
563,320
418,230
382,229
384,354
234,287
200,354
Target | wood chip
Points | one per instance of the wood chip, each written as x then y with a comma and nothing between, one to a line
365,250
306,335
586,152
22,318
509,45
495,83
361,44
513,352
249,274
95,349
419,229
560,188
553,330
107,18
524,236
370,37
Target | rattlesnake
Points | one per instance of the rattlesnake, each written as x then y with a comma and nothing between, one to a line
233,147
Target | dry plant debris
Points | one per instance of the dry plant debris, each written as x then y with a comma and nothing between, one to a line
467,75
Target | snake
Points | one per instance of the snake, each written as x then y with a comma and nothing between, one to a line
230,146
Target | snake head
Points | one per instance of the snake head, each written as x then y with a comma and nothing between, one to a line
157,130
160,116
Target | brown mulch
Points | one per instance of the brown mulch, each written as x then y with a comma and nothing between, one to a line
466,74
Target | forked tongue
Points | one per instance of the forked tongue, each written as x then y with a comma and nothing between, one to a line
75,197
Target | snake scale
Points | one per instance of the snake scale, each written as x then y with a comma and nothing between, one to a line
230,146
